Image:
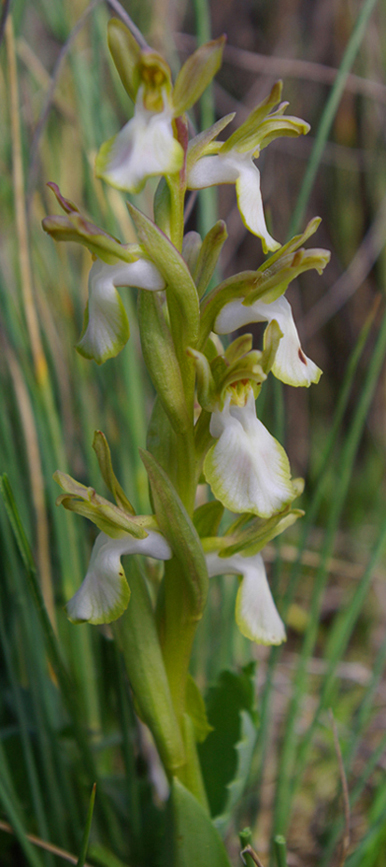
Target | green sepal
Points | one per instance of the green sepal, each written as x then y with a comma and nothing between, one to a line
199,144
161,360
242,135
294,244
181,291
107,517
238,347
208,256
257,534
237,286
272,338
207,518
196,73
102,451
195,708
126,54
273,281
261,127
223,763
75,227
178,529
194,839
206,388
249,367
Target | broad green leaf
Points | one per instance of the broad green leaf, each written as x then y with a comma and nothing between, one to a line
194,838
161,361
222,761
244,750
195,708
196,73
181,534
102,450
208,256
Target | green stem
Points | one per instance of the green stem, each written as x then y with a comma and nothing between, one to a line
137,637
178,631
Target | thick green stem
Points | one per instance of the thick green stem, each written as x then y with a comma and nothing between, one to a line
177,633
137,637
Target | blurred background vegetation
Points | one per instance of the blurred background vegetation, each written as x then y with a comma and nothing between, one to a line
63,728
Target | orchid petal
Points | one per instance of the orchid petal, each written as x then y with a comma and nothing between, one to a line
144,147
256,614
291,365
104,594
251,204
211,170
239,169
248,470
106,327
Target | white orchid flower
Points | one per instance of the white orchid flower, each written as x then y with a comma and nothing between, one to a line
105,593
291,365
106,327
237,168
247,469
256,613
144,147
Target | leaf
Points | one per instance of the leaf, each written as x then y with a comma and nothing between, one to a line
195,707
225,755
102,450
244,749
195,75
181,534
194,838
86,833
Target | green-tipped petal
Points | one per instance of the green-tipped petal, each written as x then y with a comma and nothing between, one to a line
248,470
105,593
239,169
256,613
143,148
106,327
291,365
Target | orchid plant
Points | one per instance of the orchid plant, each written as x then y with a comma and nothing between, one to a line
204,426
